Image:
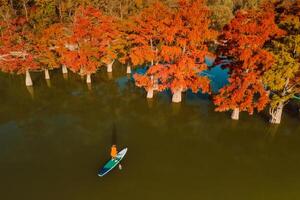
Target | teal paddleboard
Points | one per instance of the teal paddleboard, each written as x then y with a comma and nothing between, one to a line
112,163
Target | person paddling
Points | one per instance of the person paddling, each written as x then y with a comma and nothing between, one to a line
113,154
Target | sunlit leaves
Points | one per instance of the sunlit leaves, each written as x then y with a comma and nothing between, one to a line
244,37
177,45
92,41
16,47
283,77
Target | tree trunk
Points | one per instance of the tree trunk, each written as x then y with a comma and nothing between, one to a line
81,71
154,82
150,93
109,66
235,114
47,75
88,79
176,98
276,114
151,45
184,49
60,12
25,8
28,80
128,70
64,69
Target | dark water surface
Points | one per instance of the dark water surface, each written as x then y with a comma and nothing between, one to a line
52,144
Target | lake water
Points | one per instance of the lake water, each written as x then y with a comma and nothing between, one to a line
53,141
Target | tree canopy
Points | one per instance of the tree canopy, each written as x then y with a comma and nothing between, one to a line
168,39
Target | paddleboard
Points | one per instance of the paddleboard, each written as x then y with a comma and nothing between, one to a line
112,163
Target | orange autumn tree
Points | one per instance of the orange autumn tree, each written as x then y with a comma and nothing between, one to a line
17,53
90,43
113,42
47,45
126,44
145,33
182,39
145,38
243,41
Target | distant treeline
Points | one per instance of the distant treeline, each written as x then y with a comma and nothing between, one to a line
52,11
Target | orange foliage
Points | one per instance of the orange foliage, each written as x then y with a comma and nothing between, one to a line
176,41
92,41
48,45
16,47
244,39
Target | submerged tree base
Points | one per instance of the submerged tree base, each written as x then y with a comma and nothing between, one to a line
150,93
88,79
128,69
64,69
28,81
47,75
276,114
176,98
110,67
235,114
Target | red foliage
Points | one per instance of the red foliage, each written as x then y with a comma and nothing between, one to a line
146,33
91,41
244,39
48,44
177,43
16,47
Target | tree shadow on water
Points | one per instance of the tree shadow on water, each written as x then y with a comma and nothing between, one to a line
114,135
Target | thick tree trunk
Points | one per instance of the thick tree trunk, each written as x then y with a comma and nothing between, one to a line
276,114
28,80
235,114
88,79
150,93
64,69
176,98
128,70
47,75
110,66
